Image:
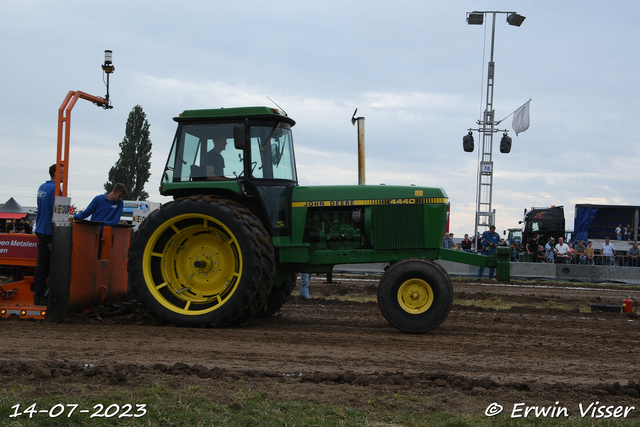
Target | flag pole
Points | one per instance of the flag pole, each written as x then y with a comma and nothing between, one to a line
513,112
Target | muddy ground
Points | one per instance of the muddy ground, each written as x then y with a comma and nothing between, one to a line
545,350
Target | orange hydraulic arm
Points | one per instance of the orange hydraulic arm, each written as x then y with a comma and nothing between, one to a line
64,124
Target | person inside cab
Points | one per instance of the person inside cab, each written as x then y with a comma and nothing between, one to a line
213,161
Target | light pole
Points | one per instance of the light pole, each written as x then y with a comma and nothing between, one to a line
485,216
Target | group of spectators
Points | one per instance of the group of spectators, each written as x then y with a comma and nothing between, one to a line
549,252
560,253
567,253
624,233
465,245
16,226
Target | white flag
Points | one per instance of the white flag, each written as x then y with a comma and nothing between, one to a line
521,119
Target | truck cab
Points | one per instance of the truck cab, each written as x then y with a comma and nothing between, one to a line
546,222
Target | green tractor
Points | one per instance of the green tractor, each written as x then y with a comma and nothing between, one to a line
229,245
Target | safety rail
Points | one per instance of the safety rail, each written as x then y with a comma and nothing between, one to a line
598,259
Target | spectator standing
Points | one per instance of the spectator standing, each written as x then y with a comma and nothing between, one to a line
633,254
514,253
580,257
448,242
455,245
532,247
626,232
548,248
11,225
562,251
619,232
490,242
466,244
572,253
589,252
608,251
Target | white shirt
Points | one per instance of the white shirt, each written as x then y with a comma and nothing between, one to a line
607,250
562,249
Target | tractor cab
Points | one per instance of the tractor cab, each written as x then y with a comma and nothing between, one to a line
235,152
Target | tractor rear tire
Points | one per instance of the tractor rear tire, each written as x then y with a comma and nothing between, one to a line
260,302
415,295
278,297
202,261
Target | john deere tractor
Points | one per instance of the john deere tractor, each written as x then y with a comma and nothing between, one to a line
229,245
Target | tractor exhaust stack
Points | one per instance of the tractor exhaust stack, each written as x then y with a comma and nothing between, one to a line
360,120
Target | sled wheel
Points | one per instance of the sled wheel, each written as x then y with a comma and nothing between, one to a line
201,261
415,295
278,297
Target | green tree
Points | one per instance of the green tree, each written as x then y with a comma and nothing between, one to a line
134,165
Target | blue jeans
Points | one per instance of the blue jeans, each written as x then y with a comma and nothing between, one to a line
481,269
304,284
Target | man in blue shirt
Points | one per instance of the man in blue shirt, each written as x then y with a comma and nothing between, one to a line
448,241
490,242
106,208
46,199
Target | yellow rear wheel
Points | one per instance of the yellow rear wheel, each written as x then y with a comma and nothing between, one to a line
199,261
202,261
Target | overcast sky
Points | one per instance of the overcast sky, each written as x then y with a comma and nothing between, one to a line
414,69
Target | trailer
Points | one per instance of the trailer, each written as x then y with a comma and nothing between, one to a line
597,222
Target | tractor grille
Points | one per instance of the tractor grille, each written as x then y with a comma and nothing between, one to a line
398,226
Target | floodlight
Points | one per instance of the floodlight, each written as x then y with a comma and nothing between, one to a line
467,143
505,144
515,19
475,18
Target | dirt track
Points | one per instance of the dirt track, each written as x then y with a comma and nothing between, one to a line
345,353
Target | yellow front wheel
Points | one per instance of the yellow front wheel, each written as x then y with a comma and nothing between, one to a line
415,295
200,261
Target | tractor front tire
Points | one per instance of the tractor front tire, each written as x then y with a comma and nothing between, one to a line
415,295
202,261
